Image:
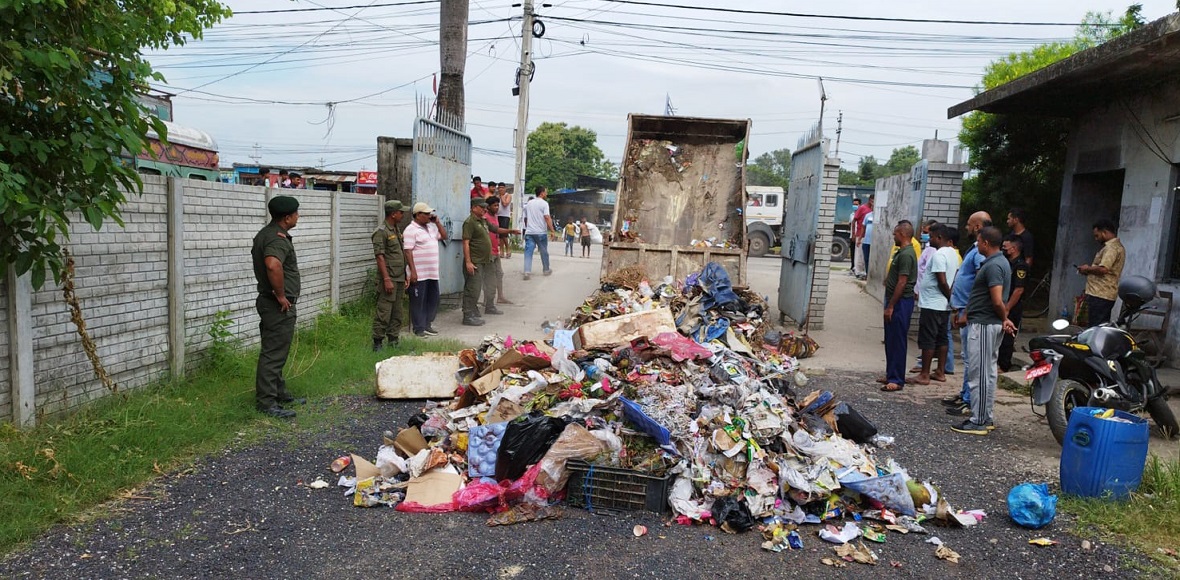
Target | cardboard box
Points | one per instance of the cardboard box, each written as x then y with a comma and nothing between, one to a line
428,376
612,332
409,442
487,383
515,359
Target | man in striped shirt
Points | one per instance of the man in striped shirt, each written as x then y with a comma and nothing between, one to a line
420,241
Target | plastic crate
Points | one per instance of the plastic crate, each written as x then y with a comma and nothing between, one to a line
610,490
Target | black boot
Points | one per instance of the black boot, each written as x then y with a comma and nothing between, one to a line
376,345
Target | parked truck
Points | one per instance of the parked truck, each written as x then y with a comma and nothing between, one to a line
764,218
680,198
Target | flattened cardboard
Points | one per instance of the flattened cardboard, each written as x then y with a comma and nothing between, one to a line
433,487
505,411
409,442
364,469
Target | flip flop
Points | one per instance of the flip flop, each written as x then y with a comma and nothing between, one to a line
882,381
892,388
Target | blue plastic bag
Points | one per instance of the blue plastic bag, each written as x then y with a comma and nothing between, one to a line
1031,506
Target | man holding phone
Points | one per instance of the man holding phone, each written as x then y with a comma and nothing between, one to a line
420,241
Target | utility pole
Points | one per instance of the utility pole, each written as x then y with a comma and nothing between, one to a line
256,156
524,75
839,128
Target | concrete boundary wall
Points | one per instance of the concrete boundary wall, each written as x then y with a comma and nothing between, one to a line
150,290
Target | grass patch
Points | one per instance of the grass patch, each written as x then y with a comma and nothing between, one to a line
59,471
1149,521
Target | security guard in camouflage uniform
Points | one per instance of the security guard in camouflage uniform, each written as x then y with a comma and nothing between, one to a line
391,276
277,273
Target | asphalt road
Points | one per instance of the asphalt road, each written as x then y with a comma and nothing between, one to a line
244,513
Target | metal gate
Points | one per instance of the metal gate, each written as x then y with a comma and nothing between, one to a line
441,178
800,218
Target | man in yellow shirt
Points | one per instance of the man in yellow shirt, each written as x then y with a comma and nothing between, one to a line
1102,277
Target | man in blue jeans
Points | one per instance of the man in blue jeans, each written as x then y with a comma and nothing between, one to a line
899,306
537,225
960,293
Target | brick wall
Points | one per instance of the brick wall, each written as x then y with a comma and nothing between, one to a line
823,246
122,283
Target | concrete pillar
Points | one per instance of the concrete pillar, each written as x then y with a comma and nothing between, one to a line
20,349
176,331
334,252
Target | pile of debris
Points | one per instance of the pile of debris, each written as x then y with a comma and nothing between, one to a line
667,391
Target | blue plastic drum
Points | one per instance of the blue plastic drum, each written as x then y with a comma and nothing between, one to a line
1103,457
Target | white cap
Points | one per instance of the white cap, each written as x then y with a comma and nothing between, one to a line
421,207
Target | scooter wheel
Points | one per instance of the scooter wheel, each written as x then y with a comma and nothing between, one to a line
1067,395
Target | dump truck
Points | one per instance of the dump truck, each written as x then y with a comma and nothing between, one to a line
681,196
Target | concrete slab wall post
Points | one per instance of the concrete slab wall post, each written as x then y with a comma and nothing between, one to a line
20,347
176,331
334,252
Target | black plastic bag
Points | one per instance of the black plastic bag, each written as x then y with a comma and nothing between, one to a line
732,513
525,442
853,425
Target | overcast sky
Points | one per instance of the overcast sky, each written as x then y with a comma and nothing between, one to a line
266,79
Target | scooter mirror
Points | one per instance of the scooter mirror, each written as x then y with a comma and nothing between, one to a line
1060,324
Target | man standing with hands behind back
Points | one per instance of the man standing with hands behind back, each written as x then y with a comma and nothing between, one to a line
420,241
391,276
277,272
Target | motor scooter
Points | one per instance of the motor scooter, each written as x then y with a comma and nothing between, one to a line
1101,366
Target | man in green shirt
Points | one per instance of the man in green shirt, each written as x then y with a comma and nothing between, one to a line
277,273
899,305
477,259
391,276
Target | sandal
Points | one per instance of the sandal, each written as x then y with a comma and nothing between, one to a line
882,381
892,388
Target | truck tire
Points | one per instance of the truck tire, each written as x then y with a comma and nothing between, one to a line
1067,394
759,245
840,249
1163,417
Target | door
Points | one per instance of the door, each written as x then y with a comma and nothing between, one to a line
800,218
442,179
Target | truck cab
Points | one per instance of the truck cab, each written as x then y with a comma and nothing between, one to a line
764,217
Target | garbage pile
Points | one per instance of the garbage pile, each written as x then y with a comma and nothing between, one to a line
717,430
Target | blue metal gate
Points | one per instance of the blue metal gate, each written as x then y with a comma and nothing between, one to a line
800,217
441,178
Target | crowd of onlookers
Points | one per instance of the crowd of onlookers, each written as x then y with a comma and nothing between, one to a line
979,293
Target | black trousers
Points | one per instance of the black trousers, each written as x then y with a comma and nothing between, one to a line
423,304
1008,344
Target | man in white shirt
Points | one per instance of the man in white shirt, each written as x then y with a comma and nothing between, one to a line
537,225
934,292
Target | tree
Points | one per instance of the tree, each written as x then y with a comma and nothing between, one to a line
772,168
70,72
1020,160
559,153
452,48
901,161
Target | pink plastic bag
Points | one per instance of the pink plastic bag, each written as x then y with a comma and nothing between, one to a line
478,497
414,507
